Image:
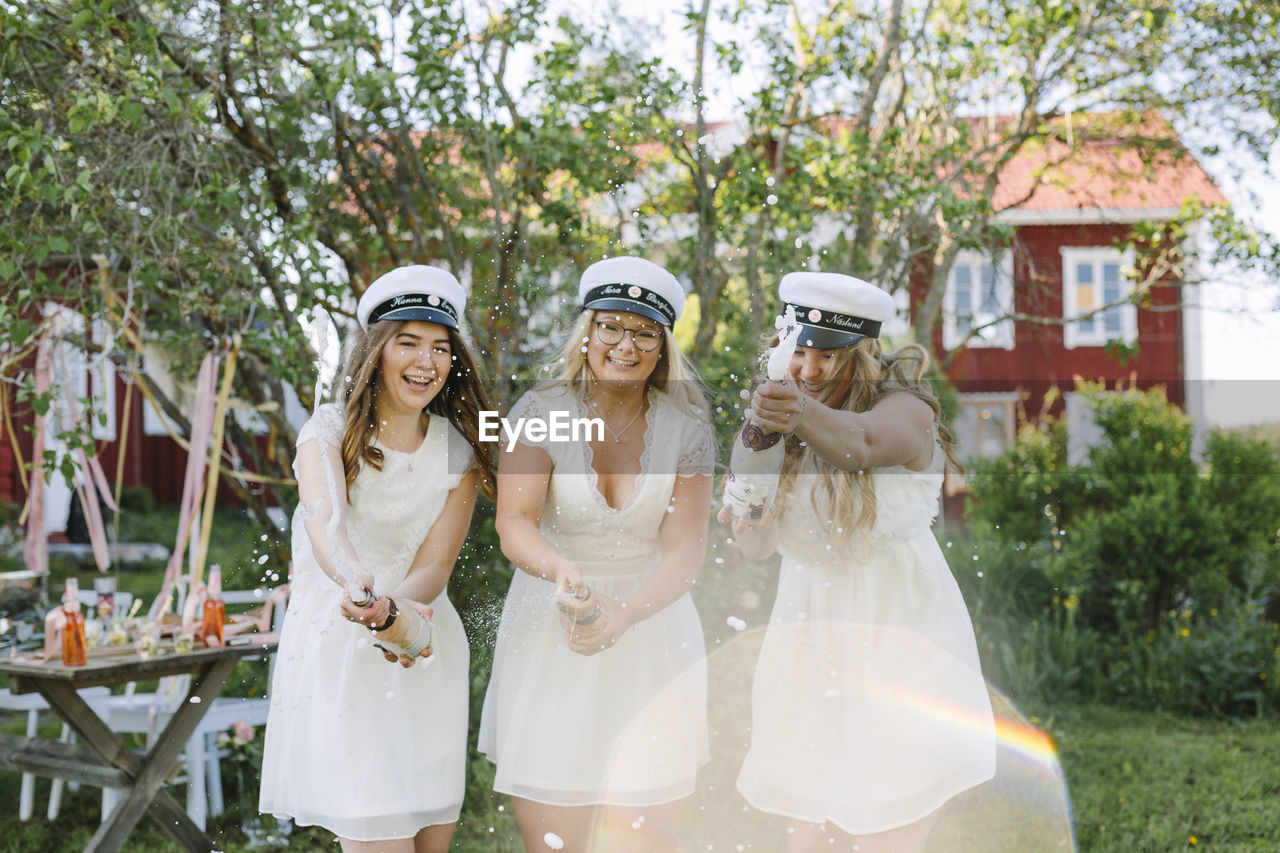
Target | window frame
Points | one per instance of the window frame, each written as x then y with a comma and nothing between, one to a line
955,481
1073,336
1002,333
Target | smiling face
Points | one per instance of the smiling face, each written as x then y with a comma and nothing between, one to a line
811,368
623,361
414,365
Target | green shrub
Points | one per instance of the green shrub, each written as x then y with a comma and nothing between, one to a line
1143,530
1143,578
137,499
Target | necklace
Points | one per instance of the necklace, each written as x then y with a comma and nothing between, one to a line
617,436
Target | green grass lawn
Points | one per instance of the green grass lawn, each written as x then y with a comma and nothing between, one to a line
1139,782
1144,781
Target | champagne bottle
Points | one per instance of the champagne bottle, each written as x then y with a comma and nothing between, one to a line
407,634
754,467
755,462
214,614
74,651
579,604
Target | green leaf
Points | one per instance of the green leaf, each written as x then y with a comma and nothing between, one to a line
19,330
171,98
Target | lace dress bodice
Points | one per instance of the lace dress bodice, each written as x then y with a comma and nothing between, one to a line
391,510
576,518
907,503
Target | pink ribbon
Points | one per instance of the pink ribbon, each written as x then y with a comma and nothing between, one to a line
90,481
278,596
197,459
35,548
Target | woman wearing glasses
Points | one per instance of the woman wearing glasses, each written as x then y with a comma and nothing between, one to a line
596,706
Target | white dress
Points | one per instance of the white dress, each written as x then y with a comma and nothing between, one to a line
626,726
869,709
355,744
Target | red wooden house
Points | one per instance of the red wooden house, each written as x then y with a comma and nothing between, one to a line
1064,286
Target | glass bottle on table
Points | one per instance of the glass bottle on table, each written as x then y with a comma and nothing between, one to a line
74,651
215,611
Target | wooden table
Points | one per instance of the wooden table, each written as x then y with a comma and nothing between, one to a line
102,759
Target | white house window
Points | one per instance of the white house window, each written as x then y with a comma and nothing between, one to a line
979,293
1093,278
984,427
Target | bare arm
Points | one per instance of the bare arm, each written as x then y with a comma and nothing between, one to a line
524,476
898,430
322,495
684,547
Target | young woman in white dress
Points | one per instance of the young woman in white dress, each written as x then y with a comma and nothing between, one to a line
869,710
605,722
387,481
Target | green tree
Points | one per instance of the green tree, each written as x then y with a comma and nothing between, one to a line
204,171
872,139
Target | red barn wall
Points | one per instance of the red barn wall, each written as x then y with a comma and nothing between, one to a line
1039,359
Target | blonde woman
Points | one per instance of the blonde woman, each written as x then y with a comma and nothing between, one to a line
605,718
387,481
869,710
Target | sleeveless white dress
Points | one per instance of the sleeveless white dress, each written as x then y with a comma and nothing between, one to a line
626,726
355,744
869,709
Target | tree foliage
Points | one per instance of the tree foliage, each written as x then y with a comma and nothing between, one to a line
201,171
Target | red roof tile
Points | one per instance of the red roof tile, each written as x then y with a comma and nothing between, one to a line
1095,161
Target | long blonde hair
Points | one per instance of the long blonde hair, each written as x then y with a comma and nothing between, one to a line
459,401
861,376
673,374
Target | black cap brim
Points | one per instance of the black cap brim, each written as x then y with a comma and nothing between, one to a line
630,306
420,312
820,338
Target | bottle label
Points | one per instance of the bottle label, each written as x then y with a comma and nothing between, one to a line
754,438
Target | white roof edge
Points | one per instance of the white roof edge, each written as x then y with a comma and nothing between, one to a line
1085,215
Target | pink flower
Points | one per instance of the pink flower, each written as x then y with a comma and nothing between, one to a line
241,732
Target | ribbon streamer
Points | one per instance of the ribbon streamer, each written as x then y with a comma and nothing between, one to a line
201,424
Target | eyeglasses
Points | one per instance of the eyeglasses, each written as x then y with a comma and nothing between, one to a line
611,334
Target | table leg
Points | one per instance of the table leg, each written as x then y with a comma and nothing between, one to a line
148,773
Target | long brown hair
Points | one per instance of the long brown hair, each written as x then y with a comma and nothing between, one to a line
460,401
861,376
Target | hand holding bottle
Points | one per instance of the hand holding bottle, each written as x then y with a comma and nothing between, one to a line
778,407
592,620
401,626
579,605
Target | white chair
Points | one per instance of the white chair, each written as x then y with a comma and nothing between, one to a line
32,704
149,713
